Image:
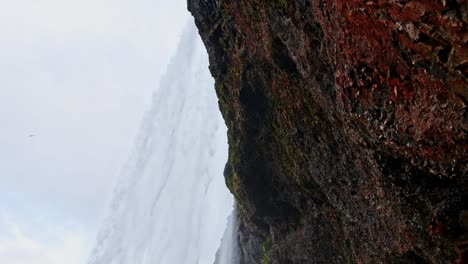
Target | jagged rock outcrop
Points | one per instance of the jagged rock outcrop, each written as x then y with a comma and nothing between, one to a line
347,126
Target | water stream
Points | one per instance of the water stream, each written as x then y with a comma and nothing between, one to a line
171,205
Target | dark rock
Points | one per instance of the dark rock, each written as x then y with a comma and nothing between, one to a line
463,220
346,125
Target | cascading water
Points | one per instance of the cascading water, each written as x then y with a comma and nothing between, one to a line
171,204
229,251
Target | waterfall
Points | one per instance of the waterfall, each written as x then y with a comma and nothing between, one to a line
171,205
229,251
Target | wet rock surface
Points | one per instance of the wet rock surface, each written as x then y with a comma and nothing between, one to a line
346,125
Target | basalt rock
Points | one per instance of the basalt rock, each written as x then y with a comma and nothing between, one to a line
346,125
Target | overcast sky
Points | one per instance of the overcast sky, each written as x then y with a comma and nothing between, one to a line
75,80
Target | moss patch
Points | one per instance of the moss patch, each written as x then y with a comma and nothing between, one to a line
280,5
266,250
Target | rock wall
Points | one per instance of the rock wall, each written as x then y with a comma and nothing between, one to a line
346,125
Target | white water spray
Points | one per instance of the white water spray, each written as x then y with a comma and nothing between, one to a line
229,250
171,203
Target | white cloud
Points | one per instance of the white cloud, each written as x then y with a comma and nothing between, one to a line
55,245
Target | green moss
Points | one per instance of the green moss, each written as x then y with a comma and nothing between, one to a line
280,5
290,154
350,254
266,259
234,181
230,38
234,184
266,250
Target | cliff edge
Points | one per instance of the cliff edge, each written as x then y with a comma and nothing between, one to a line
346,125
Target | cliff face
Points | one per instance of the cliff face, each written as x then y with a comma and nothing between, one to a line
346,124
